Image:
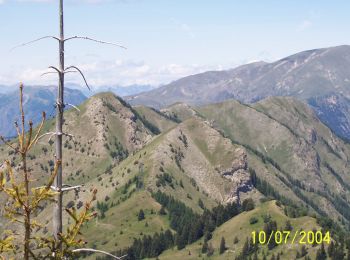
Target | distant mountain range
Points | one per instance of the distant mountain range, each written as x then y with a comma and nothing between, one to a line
42,98
123,91
320,77
36,100
116,89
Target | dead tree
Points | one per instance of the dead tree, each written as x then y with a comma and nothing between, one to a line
60,105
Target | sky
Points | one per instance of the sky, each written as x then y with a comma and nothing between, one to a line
165,40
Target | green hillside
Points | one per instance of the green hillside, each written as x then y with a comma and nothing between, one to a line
238,229
180,174
290,148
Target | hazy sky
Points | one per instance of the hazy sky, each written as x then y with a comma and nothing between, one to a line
165,39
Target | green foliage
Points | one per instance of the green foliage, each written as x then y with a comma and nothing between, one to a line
269,228
201,204
248,249
141,215
118,153
222,248
248,204
155,130
253,220
288,226
24,203
291,209
162,210
102,207
205,246
169,117
164,179
189,227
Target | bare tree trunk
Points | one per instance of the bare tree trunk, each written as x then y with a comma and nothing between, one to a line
26,210
57,212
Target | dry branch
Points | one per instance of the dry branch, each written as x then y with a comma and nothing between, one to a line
95,40
36,40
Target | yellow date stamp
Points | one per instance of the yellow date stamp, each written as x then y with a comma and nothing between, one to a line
290,237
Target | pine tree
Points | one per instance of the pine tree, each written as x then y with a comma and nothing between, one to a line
248,204
210,251
162,211
288,226
200,203
331,249
141,215
321,253
222,246
303,251
205,247
245,250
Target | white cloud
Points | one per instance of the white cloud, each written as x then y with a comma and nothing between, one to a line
304,25
184,27
112,72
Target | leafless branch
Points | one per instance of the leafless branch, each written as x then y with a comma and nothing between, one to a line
69,135
94,40
77,187
54,68
70,71
73,67
97,251
73,106
49,72
71,188
49,133
54,72
36,40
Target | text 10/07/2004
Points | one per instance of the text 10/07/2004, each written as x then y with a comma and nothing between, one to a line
283,237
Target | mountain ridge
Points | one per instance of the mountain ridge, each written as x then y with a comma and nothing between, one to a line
312,76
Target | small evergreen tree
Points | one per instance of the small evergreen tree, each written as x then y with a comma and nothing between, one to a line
162,211
205,247
181,184
210,251
222,246
303,251
200,204
141,215
248,204
288,226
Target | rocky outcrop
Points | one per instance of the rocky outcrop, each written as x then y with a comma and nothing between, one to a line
238,175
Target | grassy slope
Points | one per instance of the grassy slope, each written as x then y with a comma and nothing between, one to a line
203,151
102,121
240,227
122,217
179,111
287,131
156,118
